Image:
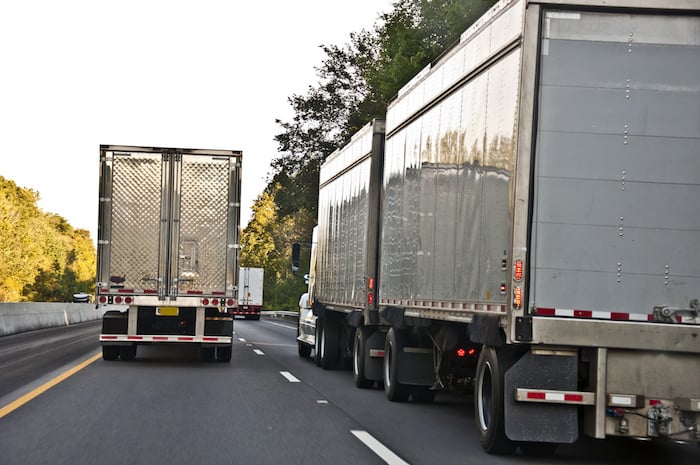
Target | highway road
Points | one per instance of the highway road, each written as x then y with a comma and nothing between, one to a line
267,406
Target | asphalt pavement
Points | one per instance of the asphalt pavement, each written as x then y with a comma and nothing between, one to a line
268,406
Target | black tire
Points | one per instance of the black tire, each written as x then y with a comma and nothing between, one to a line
207,354
318,330
329,345
127,353
423,394
395,391
538,449
110,353
223,354
488,400
358,358
304,350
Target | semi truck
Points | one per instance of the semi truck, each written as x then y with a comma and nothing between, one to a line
524,225
250,293
168,248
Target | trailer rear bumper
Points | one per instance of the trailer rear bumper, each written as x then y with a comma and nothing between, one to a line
122,339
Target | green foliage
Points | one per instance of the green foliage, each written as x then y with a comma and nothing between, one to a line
42,258
356,83
267,243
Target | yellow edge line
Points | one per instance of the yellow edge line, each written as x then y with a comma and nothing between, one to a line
14,405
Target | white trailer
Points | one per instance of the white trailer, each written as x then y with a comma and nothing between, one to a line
250,293
168,248
529,228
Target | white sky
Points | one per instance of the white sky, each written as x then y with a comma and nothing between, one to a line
196,74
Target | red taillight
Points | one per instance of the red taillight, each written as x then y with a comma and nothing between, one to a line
128,300
370,298
518,271
229,303
464,352
215,302
517,297
205,302
103,299
503,288
118,300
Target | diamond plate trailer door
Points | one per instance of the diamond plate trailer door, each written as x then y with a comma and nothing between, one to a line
168,221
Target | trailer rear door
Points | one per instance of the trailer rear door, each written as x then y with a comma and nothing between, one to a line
616,229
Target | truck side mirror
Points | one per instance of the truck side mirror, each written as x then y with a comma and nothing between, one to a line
296,251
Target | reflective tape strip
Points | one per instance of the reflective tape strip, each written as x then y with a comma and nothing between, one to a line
592,314
160,338
554,397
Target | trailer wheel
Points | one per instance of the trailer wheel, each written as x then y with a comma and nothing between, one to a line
304,350
110,353
127,352
358,358
330,338
207,353
395,391
318,333
223,354
488,401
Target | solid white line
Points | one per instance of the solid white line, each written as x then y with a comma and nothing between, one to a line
378,448
290,377
258,351
280,324
321,401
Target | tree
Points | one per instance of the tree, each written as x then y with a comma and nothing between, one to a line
42,258
356,83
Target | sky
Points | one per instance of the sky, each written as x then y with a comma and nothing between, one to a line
210,74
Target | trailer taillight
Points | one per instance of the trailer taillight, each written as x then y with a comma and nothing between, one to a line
461,352
370,283
518,270
229,303
370,298
517,297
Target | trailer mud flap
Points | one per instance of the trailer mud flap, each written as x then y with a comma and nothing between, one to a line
416,366
541,422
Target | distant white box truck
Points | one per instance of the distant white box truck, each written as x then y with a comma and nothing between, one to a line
250,293
168,248
526,222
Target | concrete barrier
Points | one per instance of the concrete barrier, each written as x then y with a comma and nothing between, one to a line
28,316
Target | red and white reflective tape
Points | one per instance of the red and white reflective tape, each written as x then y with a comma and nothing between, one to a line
595,315
158,338
554,397
444,305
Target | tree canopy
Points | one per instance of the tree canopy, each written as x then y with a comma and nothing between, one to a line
356,83
42,258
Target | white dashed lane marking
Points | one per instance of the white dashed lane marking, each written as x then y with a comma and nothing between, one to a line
290,377
378,448
258,351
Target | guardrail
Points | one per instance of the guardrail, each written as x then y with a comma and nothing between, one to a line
28,316
284,315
